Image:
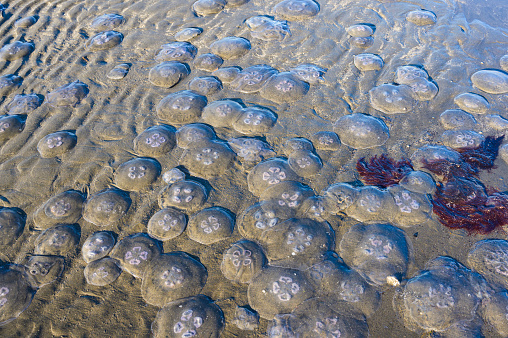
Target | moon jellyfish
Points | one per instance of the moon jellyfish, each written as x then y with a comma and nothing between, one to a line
277,290
253,78
26,22
97,246
185,195
181,107
246,319
326,140
104,40
45,269
168,74
254,120
10,126
188,34
12,224
194,135
119,71
205,85
208,62
242,261
24,104
340,196
155,141
251,150
59,240
309,73
419,182
462,139
361,131
106,207
222,113
208,7
137,174
268,173
102,272
231,47
493,311
107,22
56,144
472,103
69,95
305,163
284,199
490,258
177,51
377,251
368,61
255,223
134,252
65,207
167,224
172,276
211,225
194,316
8,83
361,30
284,88
491,81
392,99
265,28
16,50
208,160
372,204
411,208
421,17
227,74
16,291
296,9
457,119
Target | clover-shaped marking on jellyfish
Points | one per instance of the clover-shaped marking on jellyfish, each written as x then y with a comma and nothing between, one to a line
285,288
4,291
351,291
274,175
136,255
207,156
106,206
465,140
285,85
405,202
58,239
242,257
54,142
188,324
360,129
379,247
264,220
40,268
291,200
328,327
326,140
4,125
253,118
299,240
370,202
155,140
137,172
498,259
210,224
182,194
173,278
60,208
252,78
100,273
168,222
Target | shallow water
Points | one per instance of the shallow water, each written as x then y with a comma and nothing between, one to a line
108,115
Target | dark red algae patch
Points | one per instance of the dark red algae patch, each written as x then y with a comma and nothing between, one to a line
383,171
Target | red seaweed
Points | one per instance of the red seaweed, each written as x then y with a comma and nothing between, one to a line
484,156
383,171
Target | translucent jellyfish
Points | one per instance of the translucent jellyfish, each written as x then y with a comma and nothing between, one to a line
104,40
193,316
298,243
231,47
65,207
168,74
282,326
251,79
493,311
309,73
314,207
419,182
495,121
155,141
167,224
490,258
134,252
268,173
181,107
106,207
59,240
177,51
265,28
392,99
462,139
277,290
222,113
12,224
255,120
368,61
45,269
437,298
491,81
205,85
372,204
188,34
412,208
209,159
10,126
360,30
362,42
107,22
227,74
211,225
297,144
246,319
119,71
16,291
208,7
423,90
472,103
377,252
25,22
254,223
342,286
421,17
503,62
457,119
173,175
429,153
186,195
208,62
68,95
317,317
340,196
97,246
194,135
16,50
8,83
361,131
284,88
137,174
24,104
296,9
102,272
305,163
284,199
407,75
242,261
172,276
326,140
56,144
251,150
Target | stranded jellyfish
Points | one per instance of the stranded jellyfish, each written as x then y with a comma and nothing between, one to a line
10,126
168,74
65,207
491,81
16,50
104,40
421,17
155,141
209,159
102,272
58,240
392,99
251,79
265,28
137,174
472,103
97,246
268,173
208,7
107,22
490,258
68,95
242,261
194,135
457,119
188,34
181,107
12,224
222,113
211,225
8,83
205,85
166,224
56,144
106,207
177,51
255,120
284,88
45,269
185,195
296,9
361,131
24,104
208,62
231,47
16,291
